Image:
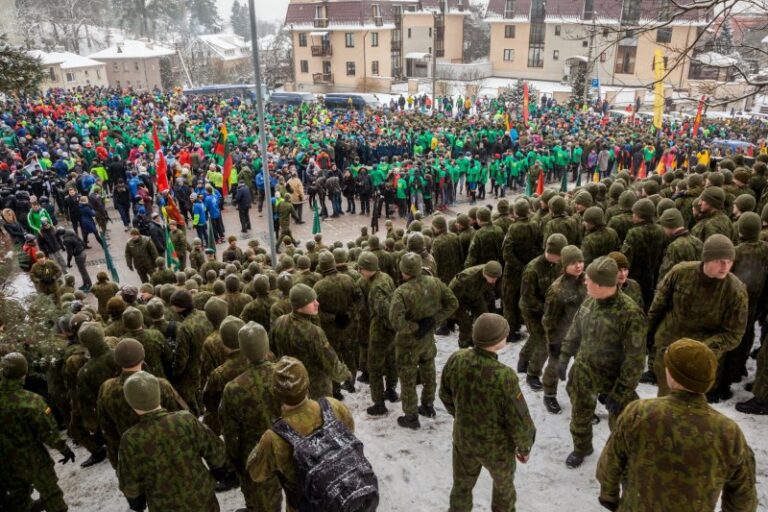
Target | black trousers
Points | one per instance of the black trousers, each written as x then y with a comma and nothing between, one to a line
245,219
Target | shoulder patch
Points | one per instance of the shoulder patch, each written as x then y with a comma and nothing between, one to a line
47,411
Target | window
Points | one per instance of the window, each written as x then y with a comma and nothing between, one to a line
349,39
536,55
589,9
664,35
666,63
509,9
125,67
555,54
304,65
538,10
350,68
557,30
375,67
430,31
302,39
537,33
320,12
630,14
376,10
135,65
509,55
115,68
605,32
51,74
585,43
625,60
509,31
374,39
603,57
409,33
326,67
98,74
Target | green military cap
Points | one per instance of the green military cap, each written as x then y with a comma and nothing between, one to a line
695,181
303,263
229,329
13,366
142,391
340,255
489,329
645,209
692,364
583,198
416,243
671,219
182,299
301,295
594,215
290,380
472,213
718,247
439,223
749,226
285,263
522,207
627,199
191,284
374,243
463,220
713,196
368,261
91,336
492,269
741,175
547,195
410,264
415,226
69,279
132,319
745,203
603,271
77,321
502,206
116,306
715,179
555,243
326,262
557,205
570,254
615,191
253,340
663,205
232,283
216,310
219,287
128,353
261,284
483,215
284,282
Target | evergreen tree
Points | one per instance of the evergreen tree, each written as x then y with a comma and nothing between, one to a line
203,16
577,86
240,22
21,73
724,39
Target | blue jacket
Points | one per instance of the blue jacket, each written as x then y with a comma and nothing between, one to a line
199,211
212,204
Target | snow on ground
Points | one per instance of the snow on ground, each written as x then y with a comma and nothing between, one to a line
414,467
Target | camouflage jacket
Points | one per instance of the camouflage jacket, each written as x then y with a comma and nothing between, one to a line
163,276
644,247
750,267
190,335
485,246
212,356
157,354
379,290
418,298
306,277
446,250
563,300
621,223
235,364
258,311
103,292
465,240
141,254
713,223
632,289
567,226
521,244
599,242
89,379
237,302
682,247
338,294
471,288
538,276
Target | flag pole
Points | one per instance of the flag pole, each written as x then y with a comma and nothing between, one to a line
262,129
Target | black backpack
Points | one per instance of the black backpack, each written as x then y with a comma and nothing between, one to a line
333,473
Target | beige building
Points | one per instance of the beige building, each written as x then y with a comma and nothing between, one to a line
363,45
552,39
223,50
134,64
66,70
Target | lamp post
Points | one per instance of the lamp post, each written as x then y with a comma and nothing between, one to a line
262,130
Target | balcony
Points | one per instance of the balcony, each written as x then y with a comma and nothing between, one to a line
396,46
323,50
320,23
378,21
322,78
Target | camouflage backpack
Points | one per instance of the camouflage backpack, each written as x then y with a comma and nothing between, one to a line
333,474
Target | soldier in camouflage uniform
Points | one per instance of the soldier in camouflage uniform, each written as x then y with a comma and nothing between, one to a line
713,219
563,300
234,365
197,255
682,246
465,233
114,413
190,335
502,217
28,426
179,240
538,275
417,305
644,247
140,254
298,335
211,263
492,426
417,245
304,273
487,241
386,260
248,407
446,250
282,305
621,222
378,291
339,298
543,215
213,355
162,274
45,275
607,338
561,223
258,309
103,290
629,286
474,288
711,460
236,299
157,353
521,245
701,300
160,461
599,239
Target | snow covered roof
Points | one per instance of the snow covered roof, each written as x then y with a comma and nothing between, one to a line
132,49
67,60
716,59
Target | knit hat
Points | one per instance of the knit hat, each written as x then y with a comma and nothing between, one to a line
483,215
614,192
261,284
472,213
603,271
463,220
142,391
555,243
326,263
713,196
547,195
692,364
489,329
522,208
129,353
492,269
102,276
620,259
410,264
303,262
439,223
645,209
116,306
254,341
415,226
502,206
627,199
284,282
749,226
91,336
219,287
182,299
368,261
13,366
671,219
301,295
557,205
229,329
594,215
216,310
583,198
569,255
745,203
663,205
132,319
290,380
718,247
374,243
742,175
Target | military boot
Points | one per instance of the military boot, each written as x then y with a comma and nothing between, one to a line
364,378
391,395
409,421
378,409
550,402
96,457
427,410
443,330
522,365
534,382
576,458
753,406
514,337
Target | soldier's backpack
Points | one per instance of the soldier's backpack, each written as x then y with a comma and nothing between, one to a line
333,474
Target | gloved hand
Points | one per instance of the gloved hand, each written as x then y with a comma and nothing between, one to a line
69,456
562,370
610,505
612,404
220,473
425,325
341,320
138,504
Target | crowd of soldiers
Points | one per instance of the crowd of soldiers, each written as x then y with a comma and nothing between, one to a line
624,280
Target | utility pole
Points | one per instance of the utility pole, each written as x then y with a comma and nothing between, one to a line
262,130
434,61
588,71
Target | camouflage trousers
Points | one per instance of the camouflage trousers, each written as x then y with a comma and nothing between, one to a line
465,316
261,497
535,349
363,345
345,343
510,297
760,387
412,360
466,469
550,379
16,489
583,387
381,365
77,431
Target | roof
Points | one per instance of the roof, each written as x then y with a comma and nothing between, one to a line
360,12
605,10
132,49
715,59
67,60
226,46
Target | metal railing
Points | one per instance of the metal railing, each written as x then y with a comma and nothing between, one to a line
322,50
322,78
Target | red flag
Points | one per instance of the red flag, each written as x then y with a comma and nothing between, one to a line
540,183
641,173
227,173
171,211
221,144
525,103
161,167
697,121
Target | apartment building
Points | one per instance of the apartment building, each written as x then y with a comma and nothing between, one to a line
552,39
67,70
134,64
363,45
